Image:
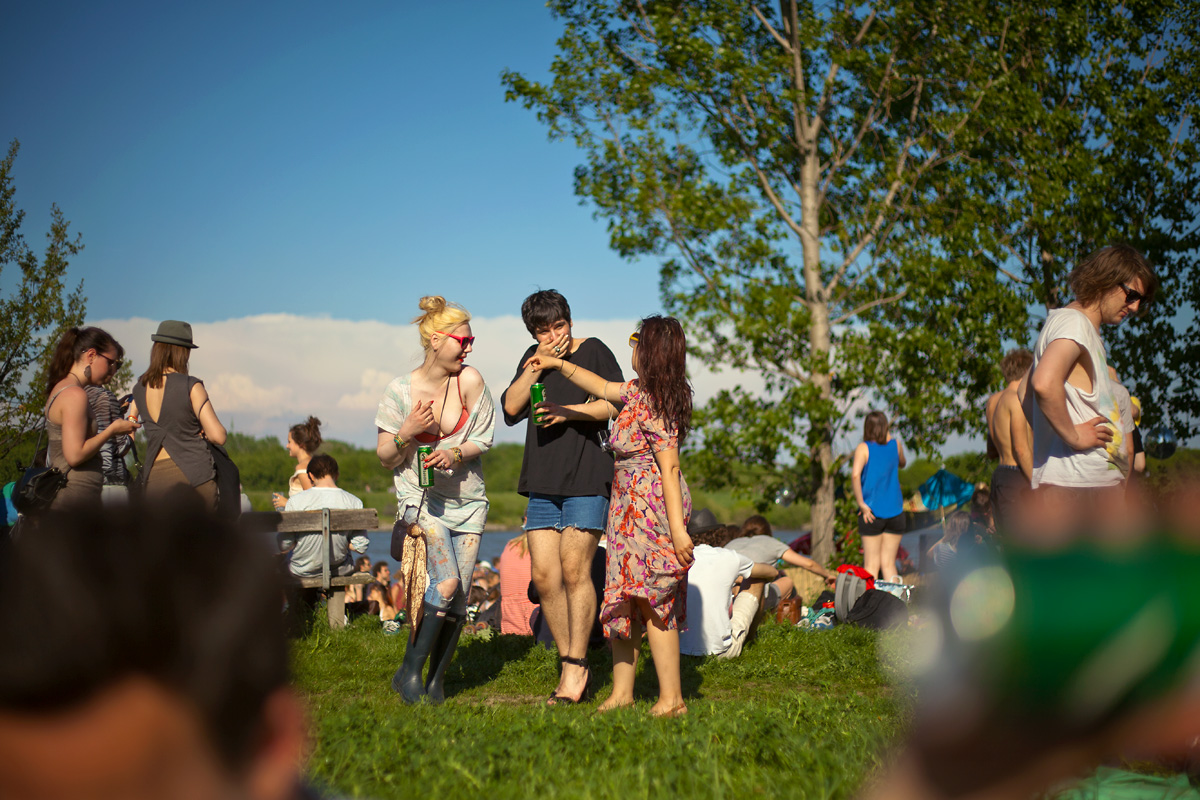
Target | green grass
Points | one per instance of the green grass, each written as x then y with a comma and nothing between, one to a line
799,714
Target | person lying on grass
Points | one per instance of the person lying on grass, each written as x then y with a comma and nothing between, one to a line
725,622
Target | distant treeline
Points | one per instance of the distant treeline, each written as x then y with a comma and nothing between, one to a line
266,466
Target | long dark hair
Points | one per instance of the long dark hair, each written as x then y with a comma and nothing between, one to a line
165,356
662,372
71,347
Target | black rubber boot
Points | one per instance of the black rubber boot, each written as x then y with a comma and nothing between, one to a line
407,680
439,659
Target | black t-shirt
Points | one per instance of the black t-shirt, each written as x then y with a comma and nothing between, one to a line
566,459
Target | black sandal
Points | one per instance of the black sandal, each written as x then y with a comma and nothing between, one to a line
585,695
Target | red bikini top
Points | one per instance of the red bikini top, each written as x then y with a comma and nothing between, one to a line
429,438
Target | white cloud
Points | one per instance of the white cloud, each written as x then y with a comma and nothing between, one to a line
267,372
367,397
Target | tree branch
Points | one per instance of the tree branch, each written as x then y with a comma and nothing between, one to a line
771,29
865,306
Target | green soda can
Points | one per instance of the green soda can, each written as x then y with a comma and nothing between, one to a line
537,394
424,473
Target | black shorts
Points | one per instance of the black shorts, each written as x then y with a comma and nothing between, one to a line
897,524
1010,491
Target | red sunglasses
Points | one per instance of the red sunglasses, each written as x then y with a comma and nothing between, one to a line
463,341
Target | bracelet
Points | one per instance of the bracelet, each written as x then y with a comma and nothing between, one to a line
457,454
572,375
400,443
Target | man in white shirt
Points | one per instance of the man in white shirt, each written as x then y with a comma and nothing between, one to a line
305,561
1071,408
718,624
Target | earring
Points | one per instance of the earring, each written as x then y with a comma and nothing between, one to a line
87,372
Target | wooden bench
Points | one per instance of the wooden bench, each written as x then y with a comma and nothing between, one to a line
325,522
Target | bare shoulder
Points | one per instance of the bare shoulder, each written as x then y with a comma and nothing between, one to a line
472,383
70,395
862,451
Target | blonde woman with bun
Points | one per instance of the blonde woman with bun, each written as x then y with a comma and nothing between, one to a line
443,404
302,441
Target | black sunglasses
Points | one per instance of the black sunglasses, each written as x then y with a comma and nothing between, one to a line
113,364
1131,296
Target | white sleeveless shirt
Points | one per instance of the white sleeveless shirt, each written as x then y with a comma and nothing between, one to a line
1054,461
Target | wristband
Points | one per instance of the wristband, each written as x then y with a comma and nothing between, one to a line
457,454
400,443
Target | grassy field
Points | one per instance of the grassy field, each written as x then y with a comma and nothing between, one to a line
799,714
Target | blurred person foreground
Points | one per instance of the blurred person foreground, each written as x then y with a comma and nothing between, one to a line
145,657
1037,664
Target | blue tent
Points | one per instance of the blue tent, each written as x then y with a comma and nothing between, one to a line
944,488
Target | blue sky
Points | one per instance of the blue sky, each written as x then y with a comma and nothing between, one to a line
262,168
341,159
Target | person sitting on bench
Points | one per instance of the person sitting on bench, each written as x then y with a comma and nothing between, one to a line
305,549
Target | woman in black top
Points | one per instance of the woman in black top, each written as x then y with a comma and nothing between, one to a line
567,476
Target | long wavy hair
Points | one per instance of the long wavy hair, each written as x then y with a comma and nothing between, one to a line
662,371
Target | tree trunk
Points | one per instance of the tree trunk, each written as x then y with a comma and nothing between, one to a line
823,509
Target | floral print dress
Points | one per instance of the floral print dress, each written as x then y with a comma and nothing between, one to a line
641,557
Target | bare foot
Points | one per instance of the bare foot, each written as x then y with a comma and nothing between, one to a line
574,684
612,703
677,710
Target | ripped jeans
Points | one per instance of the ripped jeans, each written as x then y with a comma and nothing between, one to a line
449,554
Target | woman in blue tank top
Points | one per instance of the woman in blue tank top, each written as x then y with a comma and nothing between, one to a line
876,479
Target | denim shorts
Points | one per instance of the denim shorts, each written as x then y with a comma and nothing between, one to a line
588,513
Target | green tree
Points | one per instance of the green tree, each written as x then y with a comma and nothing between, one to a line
787,166
34,313
845,196
1101,149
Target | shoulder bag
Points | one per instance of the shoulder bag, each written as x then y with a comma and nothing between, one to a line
38,485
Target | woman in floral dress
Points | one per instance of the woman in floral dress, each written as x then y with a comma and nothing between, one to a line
649,550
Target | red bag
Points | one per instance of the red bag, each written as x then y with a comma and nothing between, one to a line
860,572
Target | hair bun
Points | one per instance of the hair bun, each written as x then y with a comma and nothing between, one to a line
432,304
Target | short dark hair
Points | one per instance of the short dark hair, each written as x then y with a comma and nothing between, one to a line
377,566
875,428
1108,268
1015,364
543,308
713,537
165,592
361,562
321,465
733,532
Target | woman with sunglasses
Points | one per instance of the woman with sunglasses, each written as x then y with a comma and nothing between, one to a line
84,357
445,405
178,416
649,550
